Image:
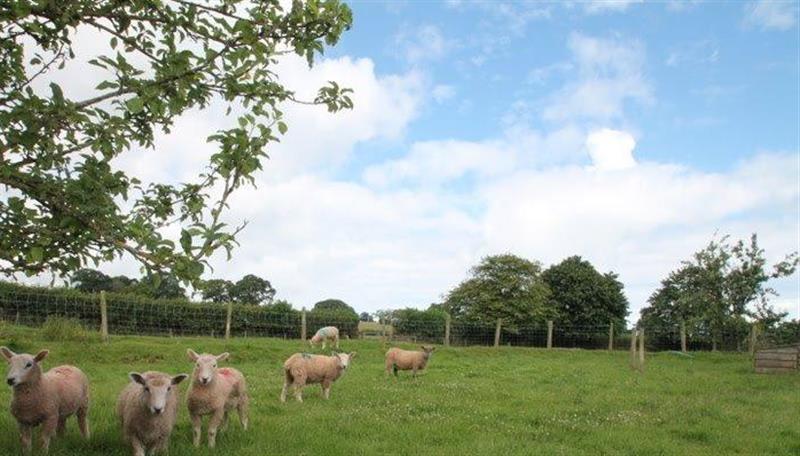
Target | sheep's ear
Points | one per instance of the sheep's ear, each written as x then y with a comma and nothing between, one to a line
352,355
137,378
191,354
223,356
7,354
179,378
41,355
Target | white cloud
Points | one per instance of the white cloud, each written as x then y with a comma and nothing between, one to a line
610,73
443,92
611,149
697,53
421,44
772,14
607,6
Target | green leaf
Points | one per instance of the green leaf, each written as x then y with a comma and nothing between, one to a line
135,105
282,128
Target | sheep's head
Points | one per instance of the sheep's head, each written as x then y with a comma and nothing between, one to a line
22,368
428,351
344,359
205,368
156,389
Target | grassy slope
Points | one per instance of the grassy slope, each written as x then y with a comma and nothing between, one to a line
471,401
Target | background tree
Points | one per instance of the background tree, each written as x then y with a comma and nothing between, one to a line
252,289
64,203
718,287
425,324
216,290
502,286
365,316
583,297
90,281
334,312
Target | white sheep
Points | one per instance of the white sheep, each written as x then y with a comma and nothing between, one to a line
215,391
398,359
326,334
302,369
147,409
45,398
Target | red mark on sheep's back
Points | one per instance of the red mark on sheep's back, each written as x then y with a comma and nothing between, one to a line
62,370
225,372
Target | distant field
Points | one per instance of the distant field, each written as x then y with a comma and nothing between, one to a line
470,401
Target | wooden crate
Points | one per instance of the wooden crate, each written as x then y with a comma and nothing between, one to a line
777,359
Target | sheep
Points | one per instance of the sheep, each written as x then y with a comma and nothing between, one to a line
398,359
326,334
45,398
303,368
147,409
215,392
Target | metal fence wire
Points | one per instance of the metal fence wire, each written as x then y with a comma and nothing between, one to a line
135,315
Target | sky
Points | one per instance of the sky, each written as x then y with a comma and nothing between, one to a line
626,132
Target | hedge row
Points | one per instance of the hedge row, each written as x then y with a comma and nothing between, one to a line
131,314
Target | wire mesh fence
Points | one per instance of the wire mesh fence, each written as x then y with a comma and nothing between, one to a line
135,315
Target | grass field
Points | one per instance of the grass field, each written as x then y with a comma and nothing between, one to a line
470,401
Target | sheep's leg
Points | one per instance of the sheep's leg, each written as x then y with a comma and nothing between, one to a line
25,438
326,389
414,372
61,428
197,429
224,425
298,391
138,447
83,422
243,405
48,431
160,447
324,341
213,425
337,341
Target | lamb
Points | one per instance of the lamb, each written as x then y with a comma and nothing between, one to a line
302,368
326,334
147,409
215,392
398,359
45,398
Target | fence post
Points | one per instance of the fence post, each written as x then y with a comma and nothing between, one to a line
497,333
634,333
611,337
228,321
103,317
303,327
549,333
683,336
641,349
447,330
753,338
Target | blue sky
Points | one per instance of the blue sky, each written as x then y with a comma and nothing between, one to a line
625,132
723,85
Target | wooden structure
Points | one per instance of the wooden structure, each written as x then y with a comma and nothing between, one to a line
785,358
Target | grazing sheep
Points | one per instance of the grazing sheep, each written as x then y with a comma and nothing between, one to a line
326,334
398,359
302,369
215,392
147,409
45,398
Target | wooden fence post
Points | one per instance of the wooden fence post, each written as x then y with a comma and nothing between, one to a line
641,349
683,336
303,328
228,321
753,338
447,330
549,333
103,317
611,337
497,333
634,333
